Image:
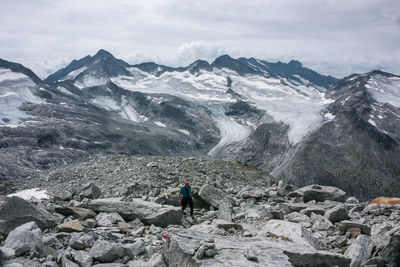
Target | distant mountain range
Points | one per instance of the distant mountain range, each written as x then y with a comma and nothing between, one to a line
289,120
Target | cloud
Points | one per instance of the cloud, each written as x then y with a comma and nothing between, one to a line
336,37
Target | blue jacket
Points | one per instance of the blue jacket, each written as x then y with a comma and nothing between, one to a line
183,191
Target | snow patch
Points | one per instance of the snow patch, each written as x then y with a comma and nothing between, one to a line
184,131
106,103
159,123
372,122
72,75
329,116
28,194
384,89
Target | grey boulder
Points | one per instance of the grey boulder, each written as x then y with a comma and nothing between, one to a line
108,219
337,214
15,211
319,193
214,196
360,250
231,251
105,251
25,238
90,191
288,230
78,213
145,211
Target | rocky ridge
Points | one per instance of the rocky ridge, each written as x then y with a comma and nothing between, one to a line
241,219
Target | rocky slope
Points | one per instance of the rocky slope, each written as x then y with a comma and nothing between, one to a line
240,219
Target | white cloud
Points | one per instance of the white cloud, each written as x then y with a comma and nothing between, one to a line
336,36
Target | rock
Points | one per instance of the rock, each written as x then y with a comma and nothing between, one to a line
147,212
351,200
214,196
291,207
82,258
89,223
6,253
314,209
68,263
87,240
14,264
71,226
25,238
257,212
90,191
78,213
288,230
252,193
226,225
52,241
104,251
320,223
297,217
385,200
205,228
360,250
110,265
225,211
137,248
337,214
345,225
319,193
15,211
391,253
250,254
108,219
50,264
76,243
231,251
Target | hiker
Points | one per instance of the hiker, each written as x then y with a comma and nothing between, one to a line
185,197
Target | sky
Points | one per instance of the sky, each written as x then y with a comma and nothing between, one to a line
335,37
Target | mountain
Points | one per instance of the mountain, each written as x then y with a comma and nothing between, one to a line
289,120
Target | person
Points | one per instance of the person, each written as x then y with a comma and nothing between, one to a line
185,197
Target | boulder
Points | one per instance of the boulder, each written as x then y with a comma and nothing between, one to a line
337,214
313,209
320,223
6,253
25,238
226,225
78,213
71,226
288,230
105,251
108,219
257,212
231,251
345,225
391,253
145,211
134,249
214,196
82,258
319,193
15,211
225,211
90,191
360,250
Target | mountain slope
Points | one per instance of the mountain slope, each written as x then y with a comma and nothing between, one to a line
359,150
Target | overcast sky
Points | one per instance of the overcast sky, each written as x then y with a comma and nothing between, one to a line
333,37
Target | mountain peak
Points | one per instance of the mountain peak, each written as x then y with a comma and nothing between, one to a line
103,54
226,61
295,63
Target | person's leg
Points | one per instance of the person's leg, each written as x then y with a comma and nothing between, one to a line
184,203
191,206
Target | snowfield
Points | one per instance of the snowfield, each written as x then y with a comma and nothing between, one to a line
385,89
15,91
293,103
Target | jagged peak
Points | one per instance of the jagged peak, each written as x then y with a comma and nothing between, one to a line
103,54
